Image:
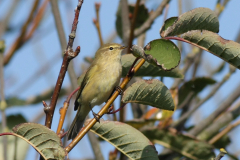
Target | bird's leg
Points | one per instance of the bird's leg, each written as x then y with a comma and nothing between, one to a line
95,115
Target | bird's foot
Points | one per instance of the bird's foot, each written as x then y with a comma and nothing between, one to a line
119,89
96,116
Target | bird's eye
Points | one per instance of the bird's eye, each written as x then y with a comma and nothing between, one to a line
111,48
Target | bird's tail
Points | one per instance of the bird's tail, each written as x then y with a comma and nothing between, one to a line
78,121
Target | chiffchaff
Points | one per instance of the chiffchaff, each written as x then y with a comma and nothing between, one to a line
99,82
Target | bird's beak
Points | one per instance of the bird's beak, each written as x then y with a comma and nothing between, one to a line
123,47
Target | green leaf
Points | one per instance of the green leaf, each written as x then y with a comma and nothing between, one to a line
147,69
183,144
169,22
126,139
15,146
142,16
195,86
196,19
149,92
162,53
227,50
44,140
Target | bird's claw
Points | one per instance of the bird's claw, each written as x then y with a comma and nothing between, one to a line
119,89
96,116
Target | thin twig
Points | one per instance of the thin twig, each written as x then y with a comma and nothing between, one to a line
104,110
194,108
97,24
64,109
68,56
49,110
221,154
224,132
125,21
3,104
61,35
189,61
131,35
223,107
147,24
166,13
19,41
36,21
196,64
58,23
4,23
220,122
220,7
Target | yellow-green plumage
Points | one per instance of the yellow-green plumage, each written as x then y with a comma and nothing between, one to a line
100,80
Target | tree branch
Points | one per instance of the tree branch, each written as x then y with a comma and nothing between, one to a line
125,21
3,104
147,24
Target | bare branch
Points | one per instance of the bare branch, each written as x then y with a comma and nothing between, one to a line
63,41
194,108
147,24
125,21
223,107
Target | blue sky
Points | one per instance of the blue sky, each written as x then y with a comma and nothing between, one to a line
45,46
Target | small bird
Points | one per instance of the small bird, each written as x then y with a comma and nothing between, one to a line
98,83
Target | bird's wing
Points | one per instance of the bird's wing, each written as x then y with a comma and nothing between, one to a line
93,69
